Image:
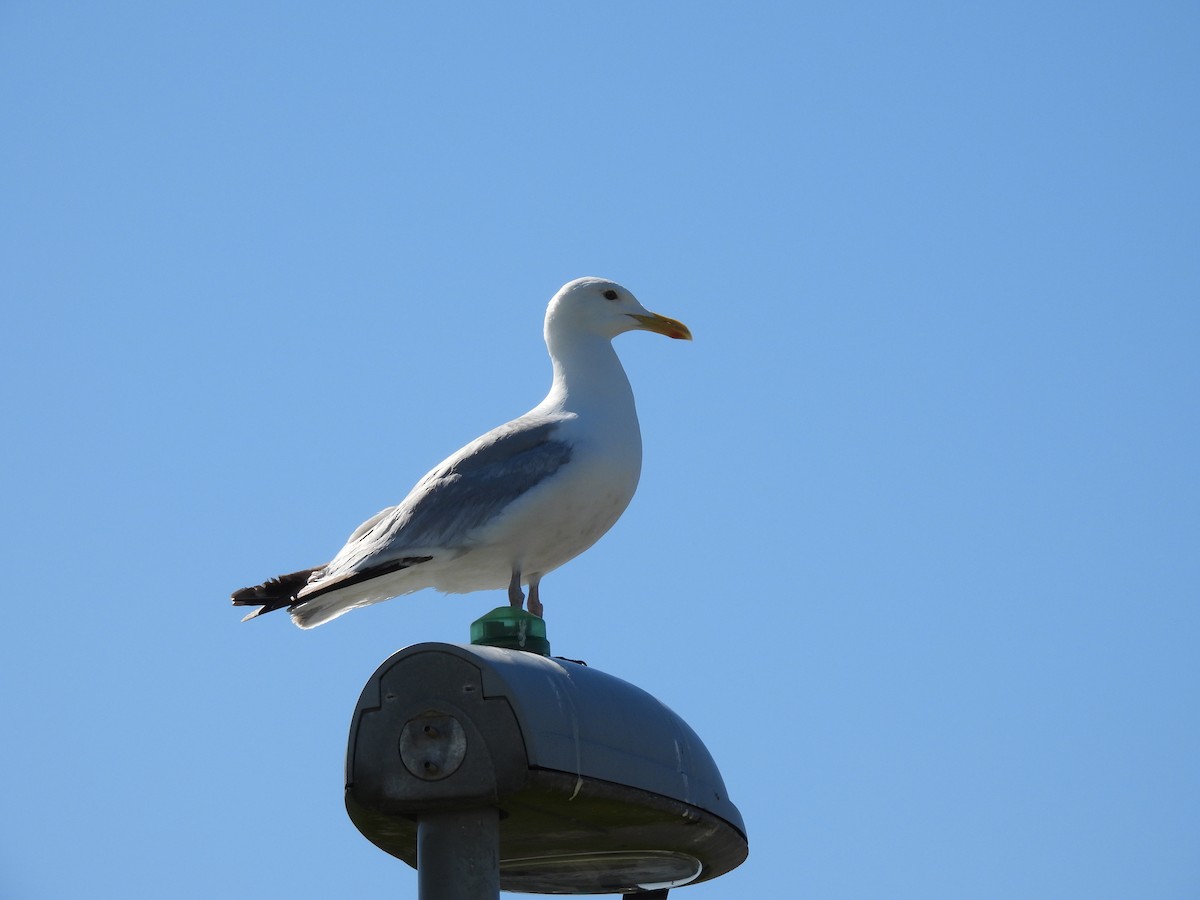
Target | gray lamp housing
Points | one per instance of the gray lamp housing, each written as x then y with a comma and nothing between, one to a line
600,787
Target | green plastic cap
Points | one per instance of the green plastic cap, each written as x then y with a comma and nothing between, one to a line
512,628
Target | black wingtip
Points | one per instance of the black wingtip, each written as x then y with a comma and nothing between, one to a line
276,593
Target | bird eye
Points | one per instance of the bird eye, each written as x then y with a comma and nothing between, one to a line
610,295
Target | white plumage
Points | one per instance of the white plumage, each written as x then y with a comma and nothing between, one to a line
517,502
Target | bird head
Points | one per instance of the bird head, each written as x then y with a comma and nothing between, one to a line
605,308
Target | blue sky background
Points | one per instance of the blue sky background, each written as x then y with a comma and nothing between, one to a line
916,546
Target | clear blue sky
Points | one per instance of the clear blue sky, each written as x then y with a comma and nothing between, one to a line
917,546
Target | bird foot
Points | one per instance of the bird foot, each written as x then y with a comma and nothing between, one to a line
535,603
516,598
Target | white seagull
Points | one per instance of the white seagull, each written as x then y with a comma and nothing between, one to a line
517,502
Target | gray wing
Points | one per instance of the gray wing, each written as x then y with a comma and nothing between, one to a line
465,492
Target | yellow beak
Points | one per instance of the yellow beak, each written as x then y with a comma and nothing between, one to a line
662,325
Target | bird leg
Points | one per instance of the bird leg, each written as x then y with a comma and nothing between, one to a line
535,604
515,598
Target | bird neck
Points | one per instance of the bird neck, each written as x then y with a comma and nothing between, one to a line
588,376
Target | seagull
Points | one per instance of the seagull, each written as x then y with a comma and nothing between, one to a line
514,504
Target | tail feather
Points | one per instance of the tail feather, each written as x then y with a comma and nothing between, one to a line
328,599
277,593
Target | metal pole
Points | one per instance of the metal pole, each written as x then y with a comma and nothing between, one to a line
458,855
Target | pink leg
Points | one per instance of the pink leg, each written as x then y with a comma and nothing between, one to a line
535,603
